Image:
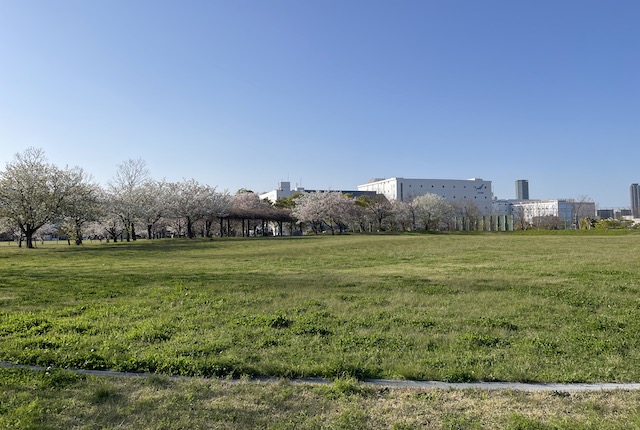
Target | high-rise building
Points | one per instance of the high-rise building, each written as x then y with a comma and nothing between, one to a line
635,200
522,189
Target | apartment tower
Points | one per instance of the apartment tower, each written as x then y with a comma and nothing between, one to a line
522,189
635,200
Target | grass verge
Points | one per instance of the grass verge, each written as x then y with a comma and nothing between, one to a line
64,400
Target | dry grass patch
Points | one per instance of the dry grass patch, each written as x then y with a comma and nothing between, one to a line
61,400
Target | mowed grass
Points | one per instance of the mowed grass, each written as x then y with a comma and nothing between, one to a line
491,307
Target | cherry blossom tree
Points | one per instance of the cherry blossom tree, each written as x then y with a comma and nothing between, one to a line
432,210
246,206
188,202
404,214
34,192
320,208
125,194
154,204
216,206
82,205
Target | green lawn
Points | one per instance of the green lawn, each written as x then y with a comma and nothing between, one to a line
453,307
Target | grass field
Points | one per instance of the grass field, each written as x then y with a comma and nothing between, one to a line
493,307
552,308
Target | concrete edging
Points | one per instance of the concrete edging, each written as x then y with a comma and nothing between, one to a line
386,383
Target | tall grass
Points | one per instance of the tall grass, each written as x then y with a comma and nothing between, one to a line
444,307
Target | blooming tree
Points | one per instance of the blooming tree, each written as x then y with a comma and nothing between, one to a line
125,194
34,192
82,205
189,200
431,210
320,208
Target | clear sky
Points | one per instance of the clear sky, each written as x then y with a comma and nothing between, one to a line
327,94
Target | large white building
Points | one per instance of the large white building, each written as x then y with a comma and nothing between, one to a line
565,211
458,191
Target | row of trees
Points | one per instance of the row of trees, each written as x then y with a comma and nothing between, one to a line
38,198
334,210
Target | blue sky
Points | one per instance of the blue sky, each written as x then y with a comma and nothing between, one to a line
328,94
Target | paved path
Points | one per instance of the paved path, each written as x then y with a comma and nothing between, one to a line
389,383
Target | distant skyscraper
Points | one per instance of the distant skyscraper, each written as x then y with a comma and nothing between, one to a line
522,189
635,200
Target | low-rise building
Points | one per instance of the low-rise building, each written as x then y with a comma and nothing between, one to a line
284,190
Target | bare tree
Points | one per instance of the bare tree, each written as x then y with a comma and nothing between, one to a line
519,219
378,206
546,222
361,218
582,208
469,214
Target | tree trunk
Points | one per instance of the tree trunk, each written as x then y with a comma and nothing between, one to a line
189,228
28,233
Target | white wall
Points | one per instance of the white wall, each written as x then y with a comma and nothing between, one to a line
457,191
